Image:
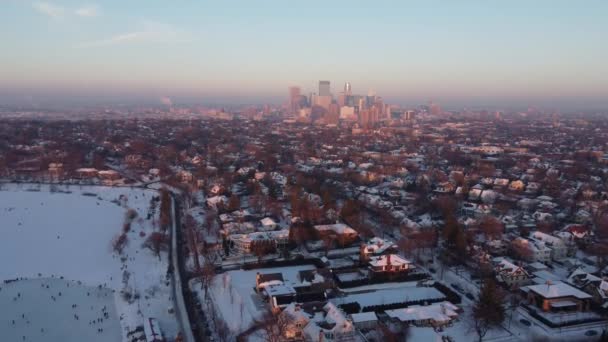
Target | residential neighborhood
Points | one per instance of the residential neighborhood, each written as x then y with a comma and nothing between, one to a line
360,235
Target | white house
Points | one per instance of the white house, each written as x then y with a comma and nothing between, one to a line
559,249
509,273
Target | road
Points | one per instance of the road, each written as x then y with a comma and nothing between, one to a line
181,312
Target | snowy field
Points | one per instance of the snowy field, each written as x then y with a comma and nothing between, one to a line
66,231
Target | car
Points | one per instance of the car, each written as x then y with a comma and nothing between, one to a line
590,333
525,322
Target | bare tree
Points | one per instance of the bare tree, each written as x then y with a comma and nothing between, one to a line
488,311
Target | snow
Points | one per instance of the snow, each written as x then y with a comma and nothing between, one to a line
364,317
67,233
390,296
46,319
234,297
557,290
338,228
439,313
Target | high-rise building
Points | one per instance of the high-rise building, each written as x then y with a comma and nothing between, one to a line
323,101
435,108
324,88
347,89
294,99
333,114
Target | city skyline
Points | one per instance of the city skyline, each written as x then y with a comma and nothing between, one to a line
546,53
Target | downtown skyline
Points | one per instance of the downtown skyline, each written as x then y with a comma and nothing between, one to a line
546,53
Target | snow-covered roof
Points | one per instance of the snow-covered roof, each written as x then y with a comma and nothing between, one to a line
378,245
364,317
391,259
267,221
338,228
438,312
553,240
331,320
557,290
505,267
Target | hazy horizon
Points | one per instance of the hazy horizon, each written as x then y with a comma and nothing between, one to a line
466,53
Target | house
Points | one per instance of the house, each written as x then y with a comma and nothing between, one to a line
108,175
86,172
365,320
377,246
264,279
434,315
517,185
56,170
512,275
595,286
292,320
338,232
268,224
579,232
279,295
270,241
530,250
475,194
444,188
500,183
559,249
556,297
389,264
329,324
496,247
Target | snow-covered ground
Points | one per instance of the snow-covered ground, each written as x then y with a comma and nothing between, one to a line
234,297
67,233
52,309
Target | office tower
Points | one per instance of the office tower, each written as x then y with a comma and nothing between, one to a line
341,100
333,114
409,115
323,101
361,104
294,99
435,108
324,88
347,89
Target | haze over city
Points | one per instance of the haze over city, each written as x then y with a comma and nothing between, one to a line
460,53
303,171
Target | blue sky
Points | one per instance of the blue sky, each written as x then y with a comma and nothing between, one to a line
544,52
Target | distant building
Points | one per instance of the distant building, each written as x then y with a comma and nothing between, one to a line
294,99
324,88
347,89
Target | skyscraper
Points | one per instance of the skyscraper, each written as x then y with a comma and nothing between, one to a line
347,89
294,99
324,88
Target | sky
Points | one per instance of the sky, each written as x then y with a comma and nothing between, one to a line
458,53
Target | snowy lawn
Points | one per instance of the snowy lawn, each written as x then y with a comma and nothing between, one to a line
234,297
